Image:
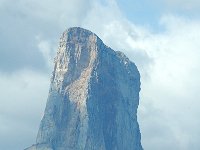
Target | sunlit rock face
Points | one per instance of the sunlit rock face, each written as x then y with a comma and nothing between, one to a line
93,98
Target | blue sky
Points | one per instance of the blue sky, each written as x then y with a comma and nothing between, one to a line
141,12
160,36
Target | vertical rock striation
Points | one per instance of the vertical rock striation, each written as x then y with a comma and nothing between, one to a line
93,98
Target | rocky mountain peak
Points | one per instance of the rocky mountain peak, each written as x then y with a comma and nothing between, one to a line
93,98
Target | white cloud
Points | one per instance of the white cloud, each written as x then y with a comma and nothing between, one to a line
23,96
48,50
174,81
183,4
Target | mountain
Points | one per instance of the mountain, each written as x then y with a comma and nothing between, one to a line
93,98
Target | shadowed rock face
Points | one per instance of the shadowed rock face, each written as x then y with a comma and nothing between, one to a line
93,98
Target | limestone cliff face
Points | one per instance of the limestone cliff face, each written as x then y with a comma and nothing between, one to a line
93,98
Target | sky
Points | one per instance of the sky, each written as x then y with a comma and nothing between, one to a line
160,36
